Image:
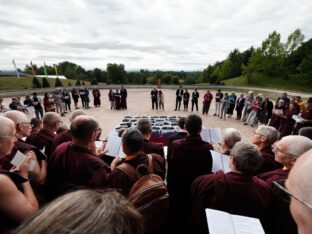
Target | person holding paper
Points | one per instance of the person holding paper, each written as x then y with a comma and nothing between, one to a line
264,137
189,158
15,206
23,128
277,112
230,136
132,141
236,192
299,188
306,116
73,163
287,151
195,96
206,102
44,138
145,127
179,96
218,102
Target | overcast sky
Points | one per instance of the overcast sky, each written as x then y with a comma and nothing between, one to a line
149,34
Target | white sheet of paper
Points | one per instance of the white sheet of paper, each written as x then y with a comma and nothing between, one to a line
220,162
220,222
165,151
18,159
297,118
32,165
278,111
211,135
113,145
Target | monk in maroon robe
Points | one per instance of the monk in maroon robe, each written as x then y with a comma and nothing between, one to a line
287,123
189,158
287,151
72,164
44,138
276,116
144,126
264,137
131,143
236,192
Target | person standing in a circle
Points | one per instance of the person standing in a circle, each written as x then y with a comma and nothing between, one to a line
195,96
179,95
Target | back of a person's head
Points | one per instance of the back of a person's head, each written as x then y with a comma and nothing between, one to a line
83,126
296,145
84,212
132,140
247,157
231,136
35,122
181,123
193,124
269,132
306,131
144,126
16,116
76,113
50,118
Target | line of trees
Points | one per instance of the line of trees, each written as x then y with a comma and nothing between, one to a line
289,60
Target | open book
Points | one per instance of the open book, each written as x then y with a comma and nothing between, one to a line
220,162
19,159
220,222
211,135
113,146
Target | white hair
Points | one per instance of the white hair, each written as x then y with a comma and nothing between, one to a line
296,145
231,136
269,132
16,116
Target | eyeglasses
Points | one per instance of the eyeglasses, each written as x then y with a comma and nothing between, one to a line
275,149
281,185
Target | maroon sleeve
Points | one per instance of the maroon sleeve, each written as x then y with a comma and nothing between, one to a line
159,166
119,180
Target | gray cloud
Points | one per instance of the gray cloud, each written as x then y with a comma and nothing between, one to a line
175,34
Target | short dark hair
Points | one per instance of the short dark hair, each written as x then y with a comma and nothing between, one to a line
35,122
181,123
193,124
144,126
247,157
132,139
83,127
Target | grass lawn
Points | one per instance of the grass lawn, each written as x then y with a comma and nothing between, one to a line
13,83
259,80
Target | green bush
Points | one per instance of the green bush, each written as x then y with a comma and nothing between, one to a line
58,83
36,83
78,83
45,83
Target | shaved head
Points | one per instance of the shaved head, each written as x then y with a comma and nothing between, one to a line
83,127
6,126
16,116
76,113
7,132
50,117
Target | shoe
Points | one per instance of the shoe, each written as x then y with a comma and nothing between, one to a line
214,114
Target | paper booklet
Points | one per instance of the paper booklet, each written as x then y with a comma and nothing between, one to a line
220,222
211,135
113,146
19,159
297,118
220,162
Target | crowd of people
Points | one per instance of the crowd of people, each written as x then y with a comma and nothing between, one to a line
74,187
60,101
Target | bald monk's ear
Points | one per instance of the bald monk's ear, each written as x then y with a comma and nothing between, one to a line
263,138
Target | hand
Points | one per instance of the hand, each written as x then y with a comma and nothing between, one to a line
116,162
23,170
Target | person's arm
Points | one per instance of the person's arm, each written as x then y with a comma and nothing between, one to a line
14,204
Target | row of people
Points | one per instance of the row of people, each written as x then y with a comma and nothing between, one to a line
73,160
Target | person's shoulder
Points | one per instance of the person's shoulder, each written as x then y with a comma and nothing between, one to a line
6,185
204,180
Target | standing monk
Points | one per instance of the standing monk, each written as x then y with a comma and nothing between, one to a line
179,95
123,100
207,101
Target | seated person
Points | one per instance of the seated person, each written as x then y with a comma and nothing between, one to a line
236,192
17,199
84,212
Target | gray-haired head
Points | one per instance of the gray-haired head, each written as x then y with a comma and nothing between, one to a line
246,157
16,116
231,136
269,132
132,140
144,126
296,145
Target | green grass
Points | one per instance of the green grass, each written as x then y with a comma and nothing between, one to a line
13,83
259,80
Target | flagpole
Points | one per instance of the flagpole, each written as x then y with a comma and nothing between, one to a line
16,69
45,70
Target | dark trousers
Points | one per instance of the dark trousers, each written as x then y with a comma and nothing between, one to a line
196,104
239,112
154,103
206,107
39,111
178,103
185,103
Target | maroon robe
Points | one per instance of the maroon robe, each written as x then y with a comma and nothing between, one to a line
231,192
189,158
149,147
61,138
6,224
287,124
275,119
71,166
120,180
42,139
282,222
22,146
268,162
